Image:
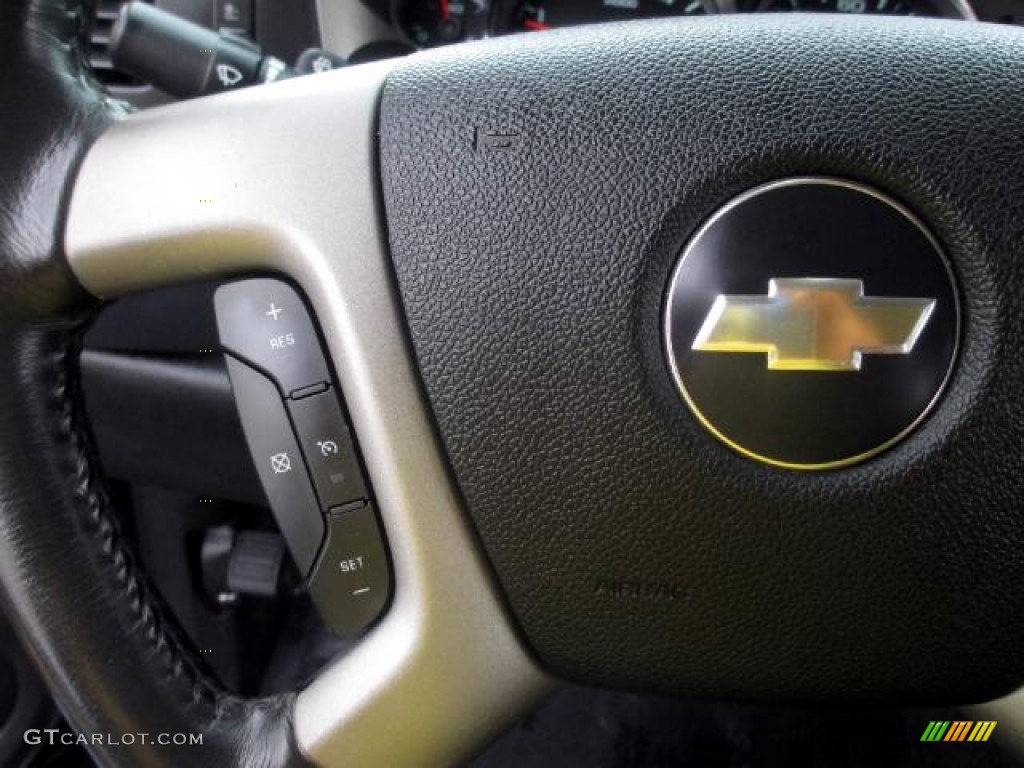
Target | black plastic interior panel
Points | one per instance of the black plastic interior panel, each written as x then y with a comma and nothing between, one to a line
171,321
159,398
537,196
284,28
169,421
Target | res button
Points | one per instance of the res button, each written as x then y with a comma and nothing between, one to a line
265,323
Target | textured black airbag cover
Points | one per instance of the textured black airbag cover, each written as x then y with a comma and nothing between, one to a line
538,191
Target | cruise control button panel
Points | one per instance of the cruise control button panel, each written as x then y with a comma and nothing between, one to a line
264,322
304,450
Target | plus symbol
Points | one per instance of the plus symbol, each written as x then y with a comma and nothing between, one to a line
274,311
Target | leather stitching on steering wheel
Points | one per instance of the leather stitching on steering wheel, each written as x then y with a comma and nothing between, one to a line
80,600
181,663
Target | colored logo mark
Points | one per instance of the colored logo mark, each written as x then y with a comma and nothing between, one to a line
814,324
958,730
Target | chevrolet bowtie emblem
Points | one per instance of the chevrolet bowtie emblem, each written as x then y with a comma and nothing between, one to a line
814,324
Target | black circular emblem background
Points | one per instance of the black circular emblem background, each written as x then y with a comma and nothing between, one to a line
810,228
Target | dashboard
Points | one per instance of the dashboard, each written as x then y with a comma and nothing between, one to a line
430,23
366,30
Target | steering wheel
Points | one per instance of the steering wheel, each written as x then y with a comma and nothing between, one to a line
544,268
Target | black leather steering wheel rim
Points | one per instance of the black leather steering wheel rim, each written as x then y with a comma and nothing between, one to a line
96,627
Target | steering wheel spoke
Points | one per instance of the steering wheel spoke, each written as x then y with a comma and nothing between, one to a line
283,179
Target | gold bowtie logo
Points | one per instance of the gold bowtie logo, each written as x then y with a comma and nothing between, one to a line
814,324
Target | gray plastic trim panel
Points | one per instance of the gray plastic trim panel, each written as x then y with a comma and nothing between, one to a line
283,178
348,25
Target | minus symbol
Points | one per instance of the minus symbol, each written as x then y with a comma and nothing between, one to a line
361,591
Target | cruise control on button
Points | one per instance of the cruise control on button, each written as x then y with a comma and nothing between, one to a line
328,449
